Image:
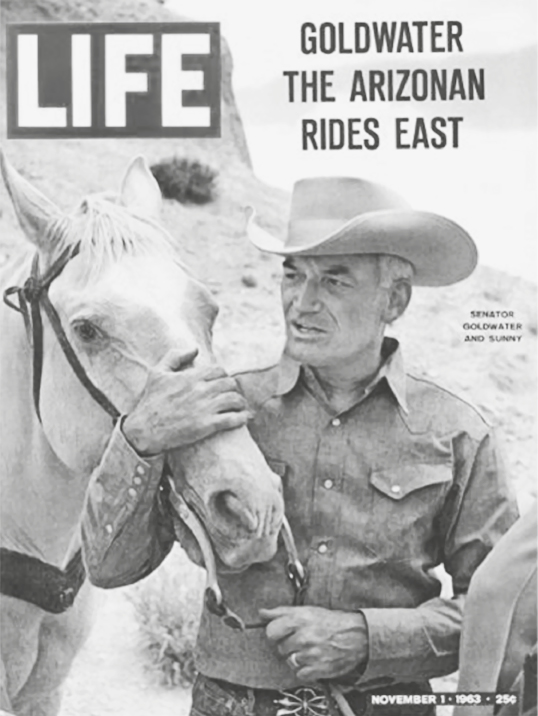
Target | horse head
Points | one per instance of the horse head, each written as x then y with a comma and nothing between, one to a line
124,299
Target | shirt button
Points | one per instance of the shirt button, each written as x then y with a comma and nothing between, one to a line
137,481
322,549
328,484
336,422
396,489
131,492
109,529
140,470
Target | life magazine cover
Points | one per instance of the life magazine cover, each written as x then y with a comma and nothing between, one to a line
321,501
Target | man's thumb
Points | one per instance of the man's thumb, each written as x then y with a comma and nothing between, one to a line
177,359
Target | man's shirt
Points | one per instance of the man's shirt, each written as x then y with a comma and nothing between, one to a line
377,496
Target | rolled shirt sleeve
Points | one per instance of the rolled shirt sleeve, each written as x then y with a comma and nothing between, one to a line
125,532
408,644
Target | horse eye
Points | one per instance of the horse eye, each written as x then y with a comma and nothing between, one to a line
87,331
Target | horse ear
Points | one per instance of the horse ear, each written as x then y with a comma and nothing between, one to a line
34,211
140,191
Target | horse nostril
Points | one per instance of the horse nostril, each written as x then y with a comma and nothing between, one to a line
229,508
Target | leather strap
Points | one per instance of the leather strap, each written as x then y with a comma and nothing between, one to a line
73,360
48,587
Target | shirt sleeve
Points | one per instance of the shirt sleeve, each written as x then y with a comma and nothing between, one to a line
125,531
422,643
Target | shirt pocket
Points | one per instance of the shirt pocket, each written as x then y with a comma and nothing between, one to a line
401,481
404,502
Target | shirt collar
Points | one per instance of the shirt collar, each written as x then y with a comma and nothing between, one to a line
392,370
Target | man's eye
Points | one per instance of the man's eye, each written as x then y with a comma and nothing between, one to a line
290,275
330,281
87,331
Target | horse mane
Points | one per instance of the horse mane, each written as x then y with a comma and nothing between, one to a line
106,231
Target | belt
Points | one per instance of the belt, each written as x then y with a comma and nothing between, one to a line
214,697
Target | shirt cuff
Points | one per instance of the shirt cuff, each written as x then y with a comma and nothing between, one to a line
123,481
397,644
119,441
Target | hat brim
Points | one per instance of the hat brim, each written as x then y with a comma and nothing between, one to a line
440,251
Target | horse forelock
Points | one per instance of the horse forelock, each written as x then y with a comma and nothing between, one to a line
105,231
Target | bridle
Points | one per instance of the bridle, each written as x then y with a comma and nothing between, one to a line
32,298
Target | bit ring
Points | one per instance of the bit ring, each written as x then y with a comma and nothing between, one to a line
292,660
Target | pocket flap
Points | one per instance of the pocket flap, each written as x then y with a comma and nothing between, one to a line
397,482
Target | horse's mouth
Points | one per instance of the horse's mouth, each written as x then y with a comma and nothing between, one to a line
234,533
240,556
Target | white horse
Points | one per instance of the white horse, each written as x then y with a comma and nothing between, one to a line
124,300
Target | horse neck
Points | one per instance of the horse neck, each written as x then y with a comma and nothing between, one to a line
41,498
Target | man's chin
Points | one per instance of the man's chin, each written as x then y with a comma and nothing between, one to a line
304,353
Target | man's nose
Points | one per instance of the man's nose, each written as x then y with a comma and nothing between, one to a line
307,298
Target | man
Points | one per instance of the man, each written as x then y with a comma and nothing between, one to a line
385,475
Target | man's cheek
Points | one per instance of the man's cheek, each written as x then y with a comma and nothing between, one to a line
286,299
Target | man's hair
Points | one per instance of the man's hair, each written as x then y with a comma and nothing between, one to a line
392,269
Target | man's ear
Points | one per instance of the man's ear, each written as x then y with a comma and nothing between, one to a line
34,211
140,191
399,295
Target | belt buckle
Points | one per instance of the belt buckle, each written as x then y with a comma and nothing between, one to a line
302,701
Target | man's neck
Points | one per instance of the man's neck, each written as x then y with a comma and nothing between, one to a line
343,386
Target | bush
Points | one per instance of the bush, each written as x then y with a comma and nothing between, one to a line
168,606
185,180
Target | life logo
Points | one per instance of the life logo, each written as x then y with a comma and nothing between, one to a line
113,80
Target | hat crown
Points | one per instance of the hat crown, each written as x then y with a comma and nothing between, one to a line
340,199
349,216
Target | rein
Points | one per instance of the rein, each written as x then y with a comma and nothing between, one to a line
214,599
19,572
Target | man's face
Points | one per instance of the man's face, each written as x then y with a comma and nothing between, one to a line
334,308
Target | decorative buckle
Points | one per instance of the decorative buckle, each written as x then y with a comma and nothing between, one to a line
303,701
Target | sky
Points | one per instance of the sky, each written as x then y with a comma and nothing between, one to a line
488,183
264,36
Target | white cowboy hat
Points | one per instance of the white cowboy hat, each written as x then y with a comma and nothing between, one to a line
342,215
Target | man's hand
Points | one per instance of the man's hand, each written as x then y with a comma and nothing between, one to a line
181,405
318,643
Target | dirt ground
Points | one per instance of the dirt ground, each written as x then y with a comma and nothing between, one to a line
109,676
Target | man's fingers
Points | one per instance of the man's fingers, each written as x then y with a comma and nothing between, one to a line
280,629
229,402
176,359
291,645
212,372
270,614
230,421
308,675
215,386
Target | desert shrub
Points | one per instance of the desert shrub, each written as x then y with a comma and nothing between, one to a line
168,606
186,180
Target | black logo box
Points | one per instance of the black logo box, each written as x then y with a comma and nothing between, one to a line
143,109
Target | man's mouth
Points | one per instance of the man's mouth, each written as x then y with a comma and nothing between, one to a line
304,328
